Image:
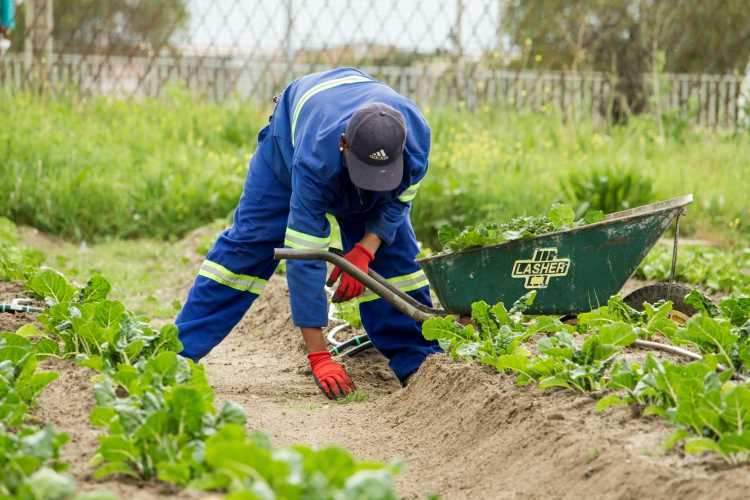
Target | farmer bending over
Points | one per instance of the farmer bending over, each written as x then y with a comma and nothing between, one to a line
341,143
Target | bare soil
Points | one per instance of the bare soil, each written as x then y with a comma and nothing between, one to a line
463,431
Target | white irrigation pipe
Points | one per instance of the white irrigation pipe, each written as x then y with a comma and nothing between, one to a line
647,344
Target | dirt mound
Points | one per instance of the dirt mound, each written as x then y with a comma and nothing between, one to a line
464,431
481,436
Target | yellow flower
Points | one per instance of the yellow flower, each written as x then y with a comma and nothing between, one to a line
538,58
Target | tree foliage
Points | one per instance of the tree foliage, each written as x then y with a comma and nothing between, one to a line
712,36
629,37
121,27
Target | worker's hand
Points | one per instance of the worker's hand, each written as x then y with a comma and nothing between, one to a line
349,287
330,376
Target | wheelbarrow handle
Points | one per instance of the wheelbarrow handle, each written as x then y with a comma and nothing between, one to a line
372,280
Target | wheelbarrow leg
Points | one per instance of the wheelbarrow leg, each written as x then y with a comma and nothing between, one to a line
673,271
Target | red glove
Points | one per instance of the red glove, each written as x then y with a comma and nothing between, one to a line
330,376
349,287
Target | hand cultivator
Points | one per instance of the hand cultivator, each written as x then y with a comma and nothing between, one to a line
573,271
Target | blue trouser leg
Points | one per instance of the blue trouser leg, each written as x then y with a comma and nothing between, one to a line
237,266
394,334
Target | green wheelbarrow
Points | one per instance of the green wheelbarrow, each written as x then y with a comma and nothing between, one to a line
572,271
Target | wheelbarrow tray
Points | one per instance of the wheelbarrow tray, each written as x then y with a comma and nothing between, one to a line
572,271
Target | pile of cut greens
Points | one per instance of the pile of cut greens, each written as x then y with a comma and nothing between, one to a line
560,217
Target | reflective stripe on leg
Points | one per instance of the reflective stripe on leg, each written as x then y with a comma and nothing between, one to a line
242,282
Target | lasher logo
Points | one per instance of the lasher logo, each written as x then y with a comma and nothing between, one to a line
542,266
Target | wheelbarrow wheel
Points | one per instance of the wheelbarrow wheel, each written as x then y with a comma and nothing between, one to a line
681,311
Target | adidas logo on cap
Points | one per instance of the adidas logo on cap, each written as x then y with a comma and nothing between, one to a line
379,155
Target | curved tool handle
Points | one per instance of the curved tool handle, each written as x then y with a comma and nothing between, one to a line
379,285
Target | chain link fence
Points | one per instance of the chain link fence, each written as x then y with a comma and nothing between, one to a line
437,52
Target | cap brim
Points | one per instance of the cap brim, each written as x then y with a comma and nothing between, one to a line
374,178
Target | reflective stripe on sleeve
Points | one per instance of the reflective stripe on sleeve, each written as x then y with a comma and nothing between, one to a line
319,88
405,283
223,276
302,241
409,193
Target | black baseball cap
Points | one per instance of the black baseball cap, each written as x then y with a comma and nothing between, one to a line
376,135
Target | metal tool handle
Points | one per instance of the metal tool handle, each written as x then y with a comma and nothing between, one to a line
372,280
405,303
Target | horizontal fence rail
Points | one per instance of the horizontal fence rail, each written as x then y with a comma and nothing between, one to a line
706,100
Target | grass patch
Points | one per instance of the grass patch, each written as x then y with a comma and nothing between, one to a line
357,396
150,276
494,165
90,169
86,169
145,274
305,405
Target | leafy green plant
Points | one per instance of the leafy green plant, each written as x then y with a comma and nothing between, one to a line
24,455
349,312
296,472
559,217
29,456
98,332
495,331
709,410
608,189
20,383
654,319
563,363
16,261
584,368
161,423
625,380
158,410
48,484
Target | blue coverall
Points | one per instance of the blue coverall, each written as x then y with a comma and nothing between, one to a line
296,177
